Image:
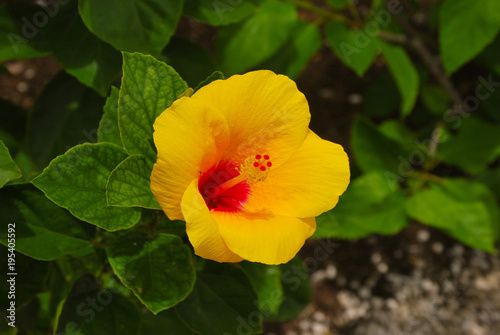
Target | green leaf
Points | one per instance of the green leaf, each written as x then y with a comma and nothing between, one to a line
372,204
380,98
20,38
128,184
148,88
89,310
248,43
219,12
294,55
160,271
465,29
166,322
399,132
491,178
338,4
476,145
65,113
488,58
213,77
77,181
44,231
26,287
266,282
375,151
354,48
297,290
435,99
142,25
8,168
464,209
222,301
192,61
93,62
404,73
108,130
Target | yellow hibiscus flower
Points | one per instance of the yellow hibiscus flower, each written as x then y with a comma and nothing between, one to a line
238,162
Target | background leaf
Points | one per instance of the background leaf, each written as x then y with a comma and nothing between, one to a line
166,322
222,301
159,271
65,114
44,231
355,49
219,12
293,56
128,184
143,25
77,181
466,28
476,145
192,61
296,288
404,73
464,209
21,39
8,168
375,151
266,282
90,310
372,204
148,88
248,43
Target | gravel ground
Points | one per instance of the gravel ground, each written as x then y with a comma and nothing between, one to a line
418,282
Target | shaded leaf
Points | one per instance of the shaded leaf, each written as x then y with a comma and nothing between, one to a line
222,301
354,48
108,130
44,231
158,271
128,184
142,25
372,204
77,181
248,43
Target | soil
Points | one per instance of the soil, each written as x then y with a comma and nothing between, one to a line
417,282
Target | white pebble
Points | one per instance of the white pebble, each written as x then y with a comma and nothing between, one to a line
22,87
398,254
355,99
382,267
331,271
29,73
376,258
437,248
423,236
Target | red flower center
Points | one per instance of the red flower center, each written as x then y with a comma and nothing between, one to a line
224,199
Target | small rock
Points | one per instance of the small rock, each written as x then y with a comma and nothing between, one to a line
376,258
423,236
437,248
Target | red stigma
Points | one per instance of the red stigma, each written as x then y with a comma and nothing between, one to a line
269,164
262,168
256,164
258,157
228,200
266,157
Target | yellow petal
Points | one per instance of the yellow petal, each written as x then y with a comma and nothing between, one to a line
265,113
308,184
190,138
264,237
202,231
